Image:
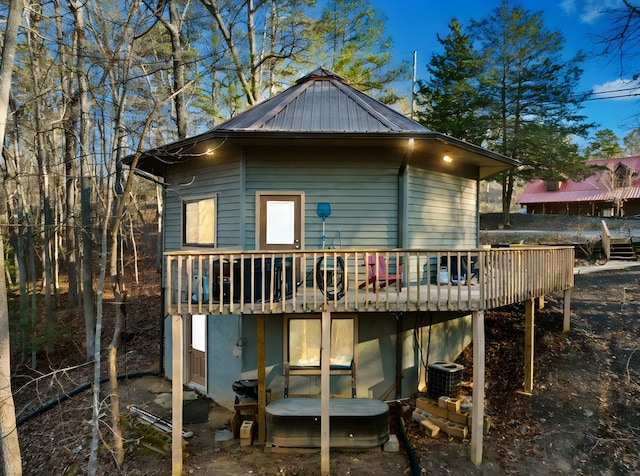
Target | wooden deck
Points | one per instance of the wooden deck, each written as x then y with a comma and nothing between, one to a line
247,282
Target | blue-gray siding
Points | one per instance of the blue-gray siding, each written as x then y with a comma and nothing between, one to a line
442,210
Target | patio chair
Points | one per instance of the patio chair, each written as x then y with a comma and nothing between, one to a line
380,274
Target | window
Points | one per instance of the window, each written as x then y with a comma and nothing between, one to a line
304,336
199,224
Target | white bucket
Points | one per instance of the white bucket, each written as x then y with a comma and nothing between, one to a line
444,275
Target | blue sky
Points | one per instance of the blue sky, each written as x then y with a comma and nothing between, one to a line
413,24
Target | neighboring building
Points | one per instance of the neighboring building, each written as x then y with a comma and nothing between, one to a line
249,207
612,190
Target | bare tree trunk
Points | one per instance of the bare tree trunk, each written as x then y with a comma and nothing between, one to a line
507,194
43,182
95,420
175,28
69,122
9,444
85,184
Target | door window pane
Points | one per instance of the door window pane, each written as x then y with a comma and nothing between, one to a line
280,222
198,332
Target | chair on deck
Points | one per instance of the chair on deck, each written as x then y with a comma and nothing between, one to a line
379,273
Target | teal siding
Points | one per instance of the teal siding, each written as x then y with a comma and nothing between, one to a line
441,210
361,184
200,178
362,189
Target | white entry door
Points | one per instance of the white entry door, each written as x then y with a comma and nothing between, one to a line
197,349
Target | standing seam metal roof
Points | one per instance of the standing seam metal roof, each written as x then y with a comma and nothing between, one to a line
594,188
321,102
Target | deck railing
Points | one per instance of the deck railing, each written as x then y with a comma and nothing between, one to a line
224,282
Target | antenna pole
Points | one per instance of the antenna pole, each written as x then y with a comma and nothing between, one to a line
413,82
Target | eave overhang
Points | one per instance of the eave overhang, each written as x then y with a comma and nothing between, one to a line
428,148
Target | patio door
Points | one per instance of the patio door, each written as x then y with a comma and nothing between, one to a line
280,221
197,350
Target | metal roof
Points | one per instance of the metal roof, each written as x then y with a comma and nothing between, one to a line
321,101
594,188
322,108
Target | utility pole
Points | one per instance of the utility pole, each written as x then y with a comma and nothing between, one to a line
413,82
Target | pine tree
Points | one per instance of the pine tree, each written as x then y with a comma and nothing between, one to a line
604,145
530,87
449,101
349,39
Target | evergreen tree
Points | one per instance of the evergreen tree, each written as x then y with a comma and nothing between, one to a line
349,39
604,145
530,88
449,101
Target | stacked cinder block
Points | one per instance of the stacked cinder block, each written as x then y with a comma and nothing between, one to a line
446,415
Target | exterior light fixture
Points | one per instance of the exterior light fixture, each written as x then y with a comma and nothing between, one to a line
210,151
447,158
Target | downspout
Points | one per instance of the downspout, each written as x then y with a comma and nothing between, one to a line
163,308
402,196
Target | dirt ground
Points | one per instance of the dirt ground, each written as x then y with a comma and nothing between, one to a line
582,417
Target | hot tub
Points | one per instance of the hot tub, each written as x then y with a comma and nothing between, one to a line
354,423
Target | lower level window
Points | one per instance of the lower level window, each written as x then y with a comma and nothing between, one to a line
305,340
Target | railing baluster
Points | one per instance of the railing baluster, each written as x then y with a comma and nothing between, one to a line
270,282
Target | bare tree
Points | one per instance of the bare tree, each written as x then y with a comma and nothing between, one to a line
253,52
623,38
9,443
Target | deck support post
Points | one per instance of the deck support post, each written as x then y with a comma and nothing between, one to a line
399,354
529,337
325,390
566,325
176,394
262,381
477,399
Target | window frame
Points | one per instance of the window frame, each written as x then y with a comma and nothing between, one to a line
316,369
196,199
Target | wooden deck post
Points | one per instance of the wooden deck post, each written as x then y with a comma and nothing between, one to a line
477,399
566,326
528,344
325,391
176,395
262,381
399,351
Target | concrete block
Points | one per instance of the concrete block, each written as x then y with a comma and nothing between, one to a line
459,417
453,405
486,423
457,430
430,406
443,402
419,415
441,423
246,429
392,444
430,428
